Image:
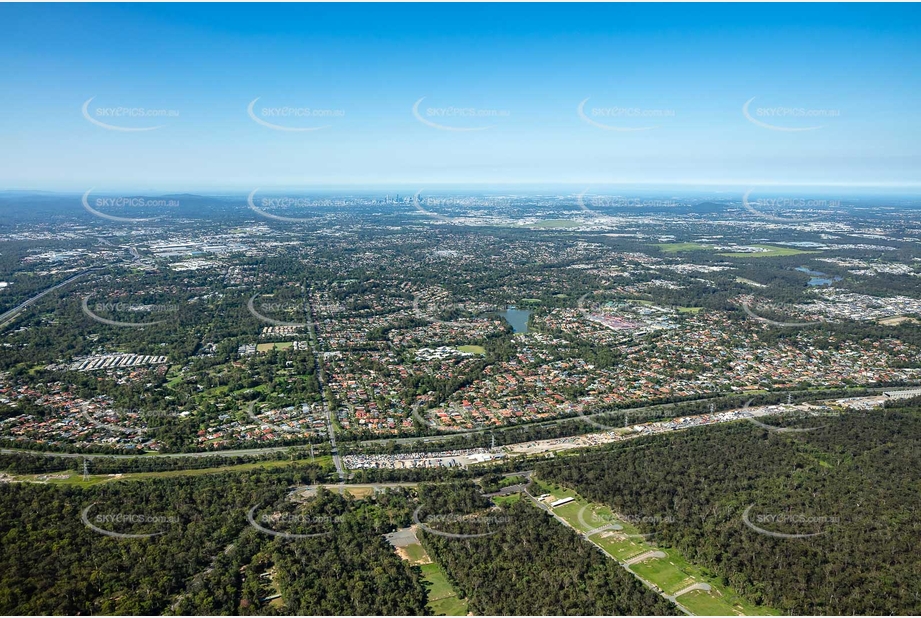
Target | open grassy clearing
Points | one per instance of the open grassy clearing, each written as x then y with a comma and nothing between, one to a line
442,598
472,349
677,247
770,251
281,345
624,541
507,500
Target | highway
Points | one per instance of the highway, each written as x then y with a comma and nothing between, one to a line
8,316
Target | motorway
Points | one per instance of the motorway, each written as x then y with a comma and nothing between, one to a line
9,316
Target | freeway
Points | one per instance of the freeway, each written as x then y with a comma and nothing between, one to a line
9,316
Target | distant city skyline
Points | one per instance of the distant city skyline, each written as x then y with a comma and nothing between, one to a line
212,98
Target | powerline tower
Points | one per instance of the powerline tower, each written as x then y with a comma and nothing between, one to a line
86,469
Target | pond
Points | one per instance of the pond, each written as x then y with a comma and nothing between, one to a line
518,318
818,278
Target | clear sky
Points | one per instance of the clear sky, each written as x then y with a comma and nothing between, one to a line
666,86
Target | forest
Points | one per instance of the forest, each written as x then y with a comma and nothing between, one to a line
846,490
204,557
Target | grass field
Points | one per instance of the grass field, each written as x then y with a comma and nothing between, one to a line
442,599
449,606
750,282
416,554
694,310
670,574
663,573
771,251
281,345
472,349
507,500
359,492
677,247
703,603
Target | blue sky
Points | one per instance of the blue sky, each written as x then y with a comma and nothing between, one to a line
667,82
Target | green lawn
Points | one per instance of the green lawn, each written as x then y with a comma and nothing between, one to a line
442,598
449,606
676,247
670,574
620,546
281,345
772,251
663,574
750,282
472,349
702,603
416,553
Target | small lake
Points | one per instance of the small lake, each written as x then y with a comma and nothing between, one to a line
518,318
818,278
